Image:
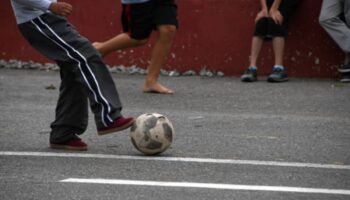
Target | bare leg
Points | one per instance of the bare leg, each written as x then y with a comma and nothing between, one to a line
257,43
119,42
278,48
159,55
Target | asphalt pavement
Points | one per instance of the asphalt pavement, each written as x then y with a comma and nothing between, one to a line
233,140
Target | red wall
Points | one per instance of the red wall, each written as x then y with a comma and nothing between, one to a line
213,34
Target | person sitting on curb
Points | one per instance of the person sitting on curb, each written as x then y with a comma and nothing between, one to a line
271,23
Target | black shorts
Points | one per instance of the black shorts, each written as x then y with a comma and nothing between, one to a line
268,29
140,19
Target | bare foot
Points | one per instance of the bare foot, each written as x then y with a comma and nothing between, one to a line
157,88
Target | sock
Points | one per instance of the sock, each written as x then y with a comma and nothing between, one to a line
253,68
278,67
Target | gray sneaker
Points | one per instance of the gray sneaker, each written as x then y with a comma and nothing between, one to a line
249,75
277,76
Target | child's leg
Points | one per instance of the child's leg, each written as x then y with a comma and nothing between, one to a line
71,118
260,33
278,71
257,43
250,74
160,52
55,38
278,48
165,20
119,42
136,20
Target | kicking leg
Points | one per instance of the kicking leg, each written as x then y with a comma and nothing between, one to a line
119,42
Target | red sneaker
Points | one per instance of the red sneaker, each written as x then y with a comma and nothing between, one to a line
118,125
75,144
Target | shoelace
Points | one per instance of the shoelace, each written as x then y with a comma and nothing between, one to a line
277,70
250,71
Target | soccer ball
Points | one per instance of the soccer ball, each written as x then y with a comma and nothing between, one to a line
152,133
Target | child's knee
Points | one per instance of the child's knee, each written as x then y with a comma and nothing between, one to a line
167,30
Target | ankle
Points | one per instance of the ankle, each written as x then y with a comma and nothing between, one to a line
253,68
150,82
278,67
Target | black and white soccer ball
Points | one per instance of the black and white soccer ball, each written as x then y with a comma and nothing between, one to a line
152,133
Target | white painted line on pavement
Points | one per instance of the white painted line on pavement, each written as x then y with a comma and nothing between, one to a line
209,186
177,159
